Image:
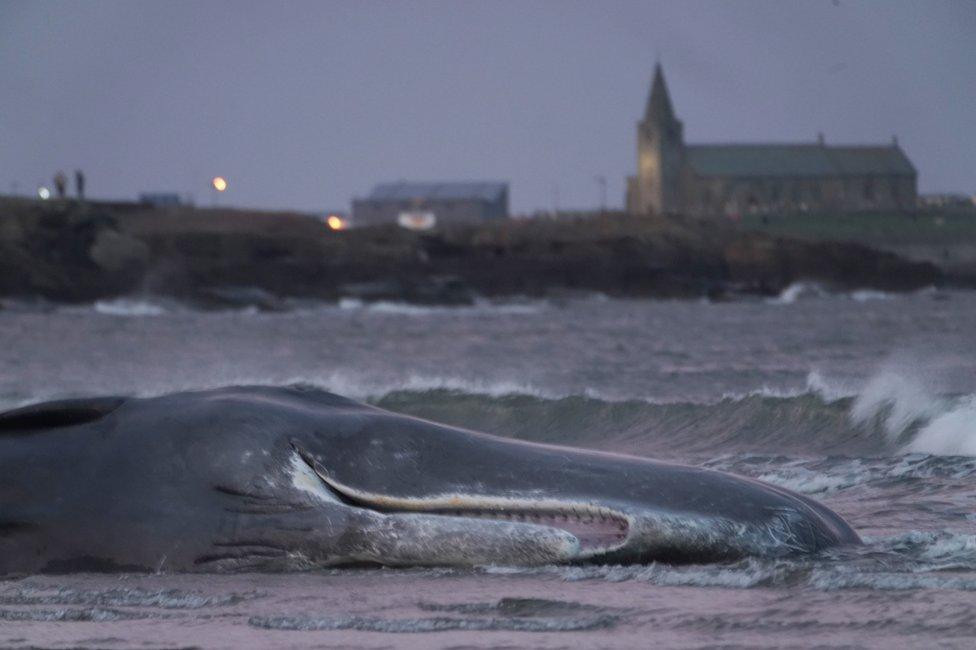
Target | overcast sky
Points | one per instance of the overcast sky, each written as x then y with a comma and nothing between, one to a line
306,105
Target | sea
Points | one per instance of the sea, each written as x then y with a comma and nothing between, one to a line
865,401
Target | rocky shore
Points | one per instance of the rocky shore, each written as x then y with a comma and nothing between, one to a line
71,252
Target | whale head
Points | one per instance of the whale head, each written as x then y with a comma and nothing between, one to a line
282,478
423,493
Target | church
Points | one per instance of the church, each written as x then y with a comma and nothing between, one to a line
736,179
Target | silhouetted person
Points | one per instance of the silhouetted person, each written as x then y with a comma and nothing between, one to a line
61,184
80,184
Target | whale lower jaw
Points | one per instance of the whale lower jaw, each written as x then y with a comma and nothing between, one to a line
544,530
575,530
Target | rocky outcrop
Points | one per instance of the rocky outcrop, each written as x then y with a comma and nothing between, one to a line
217,258
67,253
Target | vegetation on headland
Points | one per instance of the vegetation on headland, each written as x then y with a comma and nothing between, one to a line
945,237
80,252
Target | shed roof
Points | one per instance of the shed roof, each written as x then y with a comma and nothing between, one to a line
448,191
812,159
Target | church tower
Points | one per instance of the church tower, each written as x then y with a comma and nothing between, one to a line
660,153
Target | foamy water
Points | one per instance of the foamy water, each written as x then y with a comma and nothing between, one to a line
865,402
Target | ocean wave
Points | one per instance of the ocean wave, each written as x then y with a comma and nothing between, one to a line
894,413
433,624
897,411
805,422
814,419
30,593
804,290
912,560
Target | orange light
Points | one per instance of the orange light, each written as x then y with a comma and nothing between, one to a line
335,222
219,183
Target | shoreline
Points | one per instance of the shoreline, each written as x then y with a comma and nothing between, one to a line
69,252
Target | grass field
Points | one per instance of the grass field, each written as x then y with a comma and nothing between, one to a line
931,228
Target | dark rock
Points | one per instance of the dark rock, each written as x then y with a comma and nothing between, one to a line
226,258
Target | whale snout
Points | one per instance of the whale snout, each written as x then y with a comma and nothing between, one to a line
501,501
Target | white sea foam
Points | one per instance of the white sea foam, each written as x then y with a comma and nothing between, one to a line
797,291
481,307
361,386
865,295
128,307
830,389
358,386
806,290
897,399
806,481
951,547
744,575
911,412
830,579
950,433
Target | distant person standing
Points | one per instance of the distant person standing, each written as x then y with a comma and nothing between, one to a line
61,184
80,184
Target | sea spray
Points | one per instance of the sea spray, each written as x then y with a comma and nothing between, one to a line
913,414
952,432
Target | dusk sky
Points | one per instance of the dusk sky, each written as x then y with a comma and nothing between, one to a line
306,105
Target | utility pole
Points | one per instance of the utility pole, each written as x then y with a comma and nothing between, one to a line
601,180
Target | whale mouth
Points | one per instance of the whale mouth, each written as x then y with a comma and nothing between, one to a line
598,529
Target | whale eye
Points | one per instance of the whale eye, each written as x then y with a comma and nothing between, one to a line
61,413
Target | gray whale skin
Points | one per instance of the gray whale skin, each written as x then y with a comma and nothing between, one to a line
286,478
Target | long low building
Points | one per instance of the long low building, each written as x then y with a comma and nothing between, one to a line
424,205
713,179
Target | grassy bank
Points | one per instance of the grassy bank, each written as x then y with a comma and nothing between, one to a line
945,238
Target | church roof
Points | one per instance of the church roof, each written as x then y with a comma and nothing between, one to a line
659,108
445,191
797,160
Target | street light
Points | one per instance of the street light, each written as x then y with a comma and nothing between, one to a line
43,193
219,183
335,222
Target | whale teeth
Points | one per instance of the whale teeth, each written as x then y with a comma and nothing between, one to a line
597,528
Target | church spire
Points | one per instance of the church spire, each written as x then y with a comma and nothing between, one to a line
659,107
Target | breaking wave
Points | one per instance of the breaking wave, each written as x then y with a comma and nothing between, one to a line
894,413
915,416
799,291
